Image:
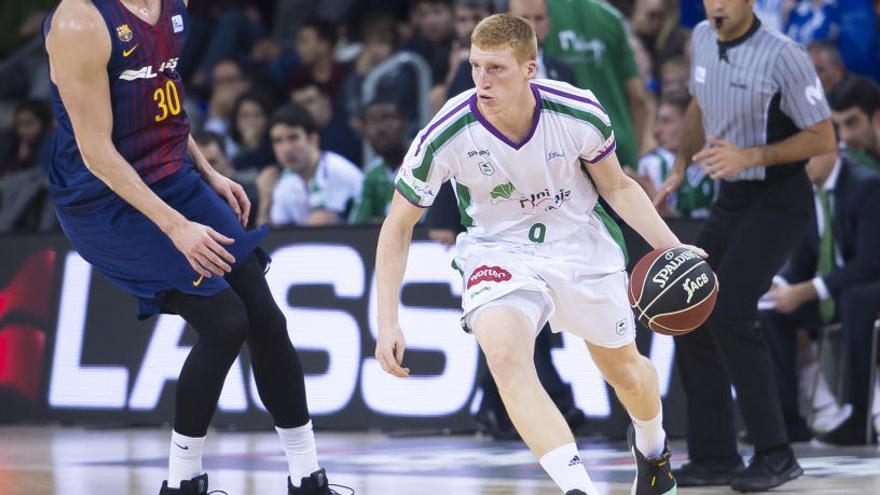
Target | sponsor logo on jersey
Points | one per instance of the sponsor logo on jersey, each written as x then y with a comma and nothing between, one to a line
486,168
700,74
177,23
554,154
126,53
197,282
486,273
148,72
474,153
814,93
529,204
621,327
124,33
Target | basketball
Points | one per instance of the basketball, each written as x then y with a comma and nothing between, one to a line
672,290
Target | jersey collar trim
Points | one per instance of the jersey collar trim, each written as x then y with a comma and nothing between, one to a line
723,46
495,132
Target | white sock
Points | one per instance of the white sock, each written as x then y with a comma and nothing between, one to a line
563,464
650,436
299,447
184,459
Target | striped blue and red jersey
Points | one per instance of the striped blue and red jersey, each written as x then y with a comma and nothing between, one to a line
150,125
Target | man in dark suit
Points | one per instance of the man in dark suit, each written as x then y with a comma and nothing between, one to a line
834,275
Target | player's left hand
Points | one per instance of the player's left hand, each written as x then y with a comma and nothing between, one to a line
234,195
724,158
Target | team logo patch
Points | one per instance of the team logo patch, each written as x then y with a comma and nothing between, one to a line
177,23
486,273
124,33
621,327
700,74
486,168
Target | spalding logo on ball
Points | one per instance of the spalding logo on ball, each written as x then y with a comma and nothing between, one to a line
672,290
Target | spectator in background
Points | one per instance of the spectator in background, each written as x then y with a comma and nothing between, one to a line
466,14
21,147
224,29
591,37
829,64
385,130
24,156
315,45
335,133
851,24
213,146
433,37
855,111
674,74
250,121
695,197
228,83
311,187
379,42
20,22
833,276
655,23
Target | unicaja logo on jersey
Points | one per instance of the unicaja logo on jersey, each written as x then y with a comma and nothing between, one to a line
486,273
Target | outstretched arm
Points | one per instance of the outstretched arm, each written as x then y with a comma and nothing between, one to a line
391,255
82,80
629,200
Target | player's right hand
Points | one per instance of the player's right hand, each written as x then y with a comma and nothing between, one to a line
203,250
673,181
389,350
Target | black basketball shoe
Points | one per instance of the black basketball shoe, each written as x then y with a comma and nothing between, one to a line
316,484
575,492
195,486
768,469
653,474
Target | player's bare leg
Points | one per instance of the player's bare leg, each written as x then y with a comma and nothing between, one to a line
507,337
634,379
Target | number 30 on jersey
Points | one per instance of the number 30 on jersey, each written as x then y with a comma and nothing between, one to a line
167,100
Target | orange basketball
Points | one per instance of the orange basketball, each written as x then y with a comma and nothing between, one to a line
672,290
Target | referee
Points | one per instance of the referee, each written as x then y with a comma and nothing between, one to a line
757,115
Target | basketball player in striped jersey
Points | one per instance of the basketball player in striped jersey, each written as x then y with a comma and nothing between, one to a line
139,202
528,159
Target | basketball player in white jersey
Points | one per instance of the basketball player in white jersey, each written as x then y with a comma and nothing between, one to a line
529,159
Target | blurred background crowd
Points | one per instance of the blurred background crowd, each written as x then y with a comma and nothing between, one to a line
312,104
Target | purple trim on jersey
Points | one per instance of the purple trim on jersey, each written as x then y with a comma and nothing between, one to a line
437,124
396,188
570,96
536,117
603,155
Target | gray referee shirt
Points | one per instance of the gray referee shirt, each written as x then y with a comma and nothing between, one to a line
758,89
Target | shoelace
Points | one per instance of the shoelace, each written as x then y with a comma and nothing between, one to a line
334,492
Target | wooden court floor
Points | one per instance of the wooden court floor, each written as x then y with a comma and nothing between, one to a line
77,461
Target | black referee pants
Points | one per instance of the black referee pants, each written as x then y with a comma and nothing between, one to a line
753,228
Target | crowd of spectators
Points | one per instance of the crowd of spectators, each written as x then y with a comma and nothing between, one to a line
247,61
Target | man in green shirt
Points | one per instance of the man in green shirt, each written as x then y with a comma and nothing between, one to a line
590,36
385,130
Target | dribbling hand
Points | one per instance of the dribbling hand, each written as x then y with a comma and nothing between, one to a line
203,248
389,350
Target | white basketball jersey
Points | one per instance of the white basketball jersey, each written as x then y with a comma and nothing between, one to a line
534,191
